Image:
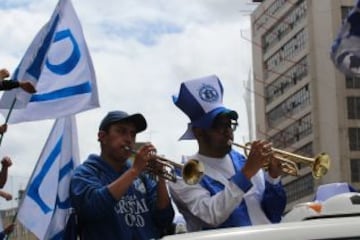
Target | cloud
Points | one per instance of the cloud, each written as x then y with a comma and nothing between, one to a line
145,32
142,50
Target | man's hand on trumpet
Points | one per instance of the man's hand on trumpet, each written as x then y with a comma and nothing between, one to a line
274,167
260,154
143,157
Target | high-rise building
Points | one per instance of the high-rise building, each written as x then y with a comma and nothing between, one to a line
303,104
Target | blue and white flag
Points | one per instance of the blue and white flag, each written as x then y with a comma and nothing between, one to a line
345,51
46,204
58,63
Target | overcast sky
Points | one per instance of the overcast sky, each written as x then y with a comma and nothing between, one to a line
142,50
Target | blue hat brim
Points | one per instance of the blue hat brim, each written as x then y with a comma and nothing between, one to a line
207,120
188,134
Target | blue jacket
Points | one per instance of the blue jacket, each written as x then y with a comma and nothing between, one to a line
102,217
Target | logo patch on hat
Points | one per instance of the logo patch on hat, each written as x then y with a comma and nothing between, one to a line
208,93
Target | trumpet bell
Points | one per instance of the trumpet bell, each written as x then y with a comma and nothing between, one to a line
321,165
192,171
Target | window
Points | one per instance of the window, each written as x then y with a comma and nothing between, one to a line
354,139
306,150
299,188
352,82
353,107
293,133
355,170
345,11
295,103
286,53
285,25
287,80
268,13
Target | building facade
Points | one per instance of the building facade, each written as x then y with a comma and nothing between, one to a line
303,104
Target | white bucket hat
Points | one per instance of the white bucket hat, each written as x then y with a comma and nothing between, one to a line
201,100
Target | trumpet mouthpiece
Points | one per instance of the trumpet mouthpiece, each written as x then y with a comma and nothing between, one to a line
127,148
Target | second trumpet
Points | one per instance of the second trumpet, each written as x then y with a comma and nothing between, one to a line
192,170
289,161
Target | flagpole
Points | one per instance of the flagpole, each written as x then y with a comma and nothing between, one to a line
7,117
12,222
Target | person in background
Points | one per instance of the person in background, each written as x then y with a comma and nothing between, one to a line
5,164
234,191
7,196
11,84
114,198
3,128
10,228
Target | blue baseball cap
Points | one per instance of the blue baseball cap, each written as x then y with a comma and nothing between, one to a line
120,116
201,100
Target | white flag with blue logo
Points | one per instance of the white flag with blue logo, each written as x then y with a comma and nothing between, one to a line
46,203
58,63
345,51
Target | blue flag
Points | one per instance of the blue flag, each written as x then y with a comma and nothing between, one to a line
46,204
345,51
58,63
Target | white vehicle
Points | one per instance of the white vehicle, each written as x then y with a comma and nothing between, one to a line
338,218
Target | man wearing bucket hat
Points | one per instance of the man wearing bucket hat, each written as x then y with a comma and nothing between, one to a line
113,198
234,191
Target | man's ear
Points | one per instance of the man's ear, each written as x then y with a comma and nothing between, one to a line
101,135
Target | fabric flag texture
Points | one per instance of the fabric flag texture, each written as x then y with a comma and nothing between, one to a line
46,204
59,64
345,51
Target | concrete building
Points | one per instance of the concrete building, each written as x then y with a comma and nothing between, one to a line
302,103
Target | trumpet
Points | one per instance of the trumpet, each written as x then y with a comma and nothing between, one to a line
192,170
289,161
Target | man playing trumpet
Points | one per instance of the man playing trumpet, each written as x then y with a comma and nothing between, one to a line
113,198
234,191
